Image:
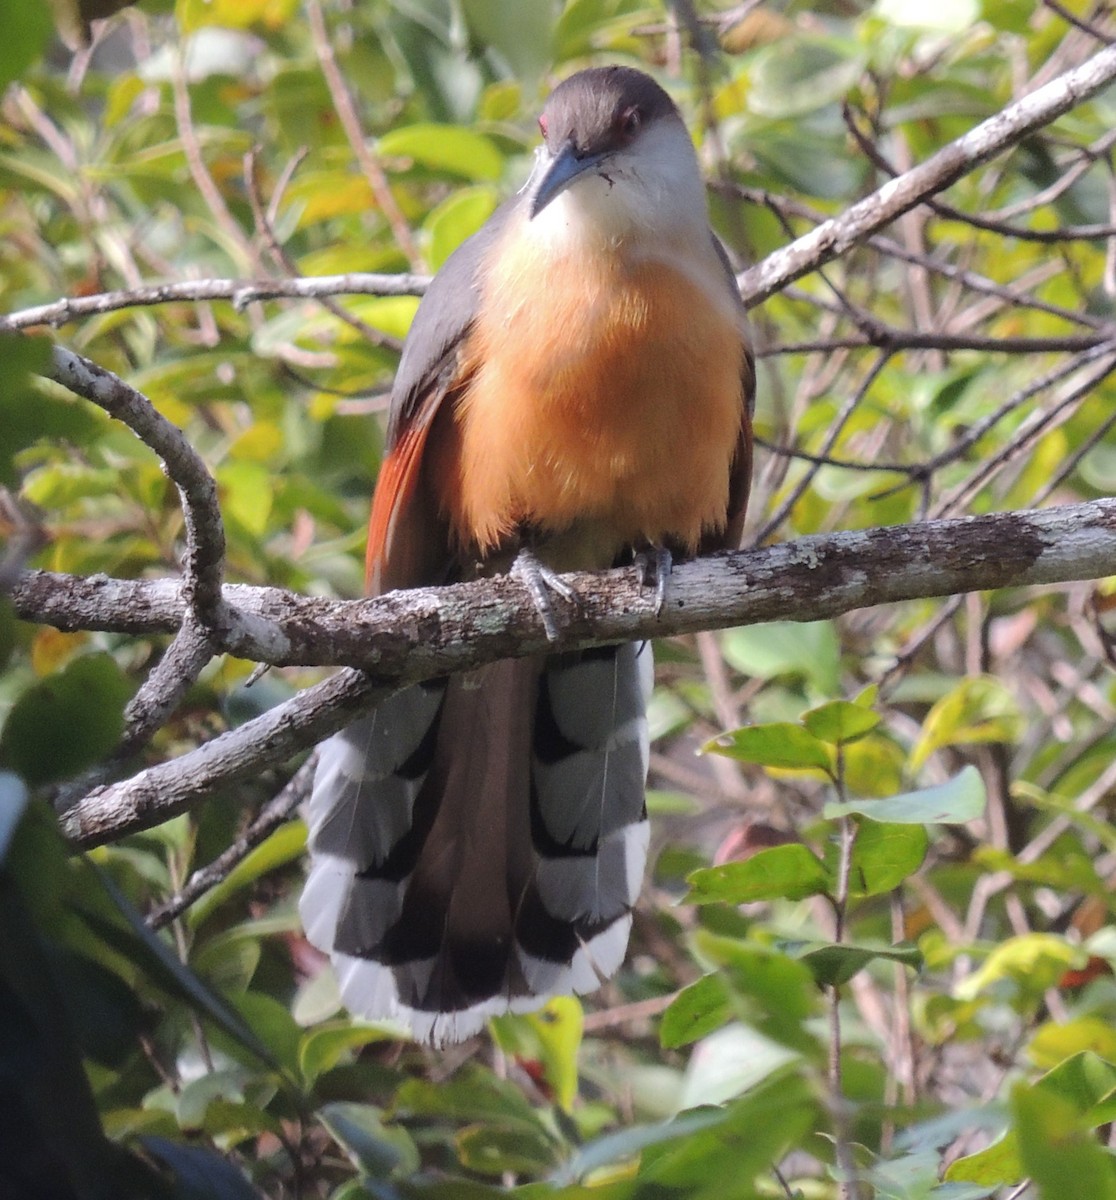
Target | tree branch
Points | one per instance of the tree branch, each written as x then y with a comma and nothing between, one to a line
205,532
271,816
241,292
822,244
200,633
1000,132
409,636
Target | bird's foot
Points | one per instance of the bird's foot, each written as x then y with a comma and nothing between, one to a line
540,581
656,565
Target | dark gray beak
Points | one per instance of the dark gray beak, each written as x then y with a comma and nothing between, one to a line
559,173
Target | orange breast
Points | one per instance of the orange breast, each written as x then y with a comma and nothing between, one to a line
604,406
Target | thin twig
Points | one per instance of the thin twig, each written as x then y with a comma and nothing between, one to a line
847,409
350,122
1006,129
274,813
241,292
278,251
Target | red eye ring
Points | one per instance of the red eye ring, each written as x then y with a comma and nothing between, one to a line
630,121
542,126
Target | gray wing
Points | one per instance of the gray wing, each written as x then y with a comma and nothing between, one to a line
428,365
740,480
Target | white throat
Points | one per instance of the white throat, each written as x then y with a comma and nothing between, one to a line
649,195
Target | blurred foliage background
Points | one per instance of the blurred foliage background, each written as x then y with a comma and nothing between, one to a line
899,964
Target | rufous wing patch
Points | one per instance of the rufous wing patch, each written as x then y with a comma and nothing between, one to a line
395,551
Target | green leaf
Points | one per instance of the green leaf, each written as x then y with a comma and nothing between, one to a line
951,17
779,744
277,850
808,649
994,1165
66,722
199,1174
837,964
628,1144
375,1148
195,1096
445,148
27,28
696,1012
795,76
733,1061
155,958
874,767
271,1024
1057,1149
520,32
1084,1080
228,961
883,856
1080,1085
323,1048
770,989
840,721
1022,968
789,872
39,1056
732,1159
978,709
1064,868
954,802
493,1151
104,1011
247,490
550,1037
458,217
809,161
1054,1042
471,1095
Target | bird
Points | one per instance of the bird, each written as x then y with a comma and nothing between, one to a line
576,391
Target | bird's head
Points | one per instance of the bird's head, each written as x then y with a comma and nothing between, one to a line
616,151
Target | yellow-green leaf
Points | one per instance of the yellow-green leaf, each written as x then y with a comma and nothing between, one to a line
979,709
840,721
788,872
445,148
779,744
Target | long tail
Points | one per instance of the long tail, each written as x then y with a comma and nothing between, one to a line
477,844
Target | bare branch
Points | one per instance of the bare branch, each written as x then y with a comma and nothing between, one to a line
369,163
971,280
819,246
205,534
424,632
160,792
850,405
241,292
1000,132
890,339
199,635
408,636
266,228
273,814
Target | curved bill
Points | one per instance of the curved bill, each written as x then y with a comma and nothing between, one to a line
558,173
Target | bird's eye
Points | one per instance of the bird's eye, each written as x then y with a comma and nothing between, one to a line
542,126
630,121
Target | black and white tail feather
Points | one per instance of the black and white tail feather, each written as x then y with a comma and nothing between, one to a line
477,844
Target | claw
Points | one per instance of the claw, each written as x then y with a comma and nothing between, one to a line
657,564
540,581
